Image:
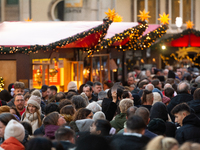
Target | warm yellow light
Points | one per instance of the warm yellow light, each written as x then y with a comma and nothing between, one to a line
114,70
163,47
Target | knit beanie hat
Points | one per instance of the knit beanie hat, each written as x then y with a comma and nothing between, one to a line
14,129
72,86
165,99
157,126
37,93
34,100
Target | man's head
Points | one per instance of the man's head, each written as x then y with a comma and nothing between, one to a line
137,69
147,97
131,80
143,84
149,87
196,94
59,96
144,114
125,104
169,92
183,87
102,95
44,91
19,88
180,111
51,91
87,89
135,124
19,102
65,134
131,111
197,80
97,87
179,74
157,84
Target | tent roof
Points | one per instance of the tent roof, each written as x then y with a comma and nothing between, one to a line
44,33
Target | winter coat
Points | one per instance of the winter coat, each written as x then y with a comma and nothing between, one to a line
159,110
195,105
190,130
180,98
50,131
146,106
65,144
40,131
127,142
118,122
12,144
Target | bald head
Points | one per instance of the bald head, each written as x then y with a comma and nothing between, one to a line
143,113
131,111
183,87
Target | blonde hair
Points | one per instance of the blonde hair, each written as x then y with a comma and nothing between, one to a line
125,104
190,146
162,143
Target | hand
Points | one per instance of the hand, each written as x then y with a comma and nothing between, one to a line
114,96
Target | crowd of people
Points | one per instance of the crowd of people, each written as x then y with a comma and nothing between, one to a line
153,110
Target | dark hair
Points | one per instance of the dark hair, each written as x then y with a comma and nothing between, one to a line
87,85
78,101
69,110
6,117
10,87
81,88
109,94
27,127
136,67
17,113
19,85
141,84
135,124
174,86
143,113
39,143
51,119
108,83
51,107
53,88
131,111
155,82
27,95
96,83
180,107
91,142
82,114
59,96
196,94
125,94
5,95
104,126
70,94
119,93
169,92
63,103
64,134
157,126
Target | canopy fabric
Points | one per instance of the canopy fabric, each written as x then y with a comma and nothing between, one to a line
44,33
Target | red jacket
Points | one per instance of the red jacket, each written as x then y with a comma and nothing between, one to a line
12,144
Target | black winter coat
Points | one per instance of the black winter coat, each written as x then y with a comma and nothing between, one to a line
180,98
195,105
129,142
190,131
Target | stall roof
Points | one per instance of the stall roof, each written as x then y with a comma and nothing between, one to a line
44,33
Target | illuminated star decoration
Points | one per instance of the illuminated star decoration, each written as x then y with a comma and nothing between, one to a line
28,20
144,15
117,18
164,18
189,24
110,14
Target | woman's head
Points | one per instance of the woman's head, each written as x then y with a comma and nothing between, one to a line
13,110
54,118
78,102
4,119
69,110
162,143
100,127
83,113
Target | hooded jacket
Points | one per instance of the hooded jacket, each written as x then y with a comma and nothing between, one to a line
118,122
190,130
84,124
195,105
12,144
159,110
180,98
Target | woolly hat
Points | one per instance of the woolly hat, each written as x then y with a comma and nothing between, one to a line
72,86
37,93
34,100
157,126
165,99
14,129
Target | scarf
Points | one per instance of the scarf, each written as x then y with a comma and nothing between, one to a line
32,119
